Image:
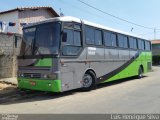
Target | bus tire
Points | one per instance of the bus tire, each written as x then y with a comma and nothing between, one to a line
140,72
89,81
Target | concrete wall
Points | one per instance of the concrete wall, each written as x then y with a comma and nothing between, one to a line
10,17
8,54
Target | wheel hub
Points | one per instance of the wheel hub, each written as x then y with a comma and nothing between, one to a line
87,81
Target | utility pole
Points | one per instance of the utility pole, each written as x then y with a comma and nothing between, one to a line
154,33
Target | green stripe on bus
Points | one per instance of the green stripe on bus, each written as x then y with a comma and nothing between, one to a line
46,62
132,69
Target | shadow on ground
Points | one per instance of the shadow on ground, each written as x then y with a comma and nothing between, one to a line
18,96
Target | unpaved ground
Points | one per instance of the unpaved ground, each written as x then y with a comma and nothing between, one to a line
6,88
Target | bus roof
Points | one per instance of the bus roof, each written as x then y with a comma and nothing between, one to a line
74,19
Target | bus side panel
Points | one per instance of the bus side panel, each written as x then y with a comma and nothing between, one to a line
132,69
73,71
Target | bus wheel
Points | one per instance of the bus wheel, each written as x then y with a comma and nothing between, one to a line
140,72
89,81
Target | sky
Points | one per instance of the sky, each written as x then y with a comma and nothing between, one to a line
142,12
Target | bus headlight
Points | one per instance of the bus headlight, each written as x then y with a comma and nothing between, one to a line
21,75
49,76
45,76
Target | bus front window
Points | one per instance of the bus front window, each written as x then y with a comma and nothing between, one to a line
28,38
47,39
43,39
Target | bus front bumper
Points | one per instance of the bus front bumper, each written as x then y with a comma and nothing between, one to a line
39,84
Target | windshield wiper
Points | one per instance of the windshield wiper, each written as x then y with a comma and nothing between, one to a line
29,47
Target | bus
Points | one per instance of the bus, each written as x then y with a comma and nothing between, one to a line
66,53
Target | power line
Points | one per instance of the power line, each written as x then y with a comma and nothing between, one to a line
114,16
74,5
149,33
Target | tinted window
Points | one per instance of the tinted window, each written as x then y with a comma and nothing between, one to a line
107,39
143,46
98,37
29,37
47,38
125,42
77,26
71,50
89,35
147,45
69,33
77,38
134,43
114,40
120,40
139,44
131,43
73,44
68,24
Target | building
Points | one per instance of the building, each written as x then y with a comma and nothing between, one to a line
156,51
13,20
155,47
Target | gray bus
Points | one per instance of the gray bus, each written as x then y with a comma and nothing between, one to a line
66,53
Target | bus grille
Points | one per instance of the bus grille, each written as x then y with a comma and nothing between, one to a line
32,75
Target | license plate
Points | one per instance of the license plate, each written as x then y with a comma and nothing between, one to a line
33,83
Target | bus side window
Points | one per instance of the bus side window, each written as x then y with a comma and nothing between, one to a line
147,46
131,43
107,39
120,40
98,37
69,36
135,43
114,40
89,32
125,42
139,44
77,38
143,46
72,45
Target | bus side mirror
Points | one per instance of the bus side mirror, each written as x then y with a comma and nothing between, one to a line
64,37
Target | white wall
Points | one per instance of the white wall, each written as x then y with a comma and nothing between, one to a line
32,16
10,17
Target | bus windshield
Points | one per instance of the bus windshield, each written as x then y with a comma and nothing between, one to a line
42,39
